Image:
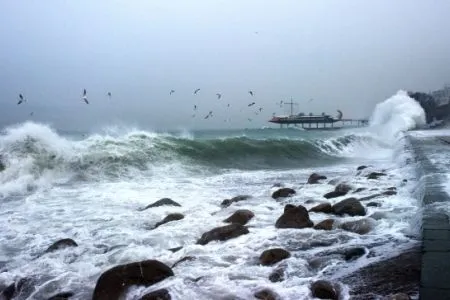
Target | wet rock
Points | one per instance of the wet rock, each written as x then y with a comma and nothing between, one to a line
2,166
241,216
324,208
400,274
358,190
354,253
362,226
61,296
398,296
370,197
277,275
22,287
223,233
272,256
350,206
176,249
310,201
113,283
277,185
334,181
228,202
375,175
334,194
161,294
341,190
266,294
162,202
294,217
8,292
314,178
61,244
186,258
170,218
378,215
283,193
324,290
373,204
360,168
392,188
325,225
390,193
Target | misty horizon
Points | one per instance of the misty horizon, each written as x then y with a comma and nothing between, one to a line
347,55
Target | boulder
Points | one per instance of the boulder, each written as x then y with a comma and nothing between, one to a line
349,206
370,197
223,233
113,283
20,287
161,294
294,217
186,258
277,275
360,168
362,226
161,202
62,296
375,175
324,290
170,218
266,294
314,178
241,216
2,166
272,256
61,244
340,190
325,225
334,194
176,249
323,207
358,190
283,193
390,192
392,188
373,204
354,253
228,202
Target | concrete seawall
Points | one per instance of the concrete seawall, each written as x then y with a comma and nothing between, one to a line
435,250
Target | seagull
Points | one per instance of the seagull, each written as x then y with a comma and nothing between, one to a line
228,105
196,91
260,109
85,97
171,92
195,107
249,119
250,92
21,99
310,100
109,94
281,103
31,114
209,115
218,96
251,104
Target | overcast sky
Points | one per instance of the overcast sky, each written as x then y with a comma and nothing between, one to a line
346,55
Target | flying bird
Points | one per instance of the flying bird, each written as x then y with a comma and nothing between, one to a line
31,114
260,109
21,99
85,97
218,96
209,115
195,107
250,92
196,91
251,104
228,105
171,92
109,94
310,100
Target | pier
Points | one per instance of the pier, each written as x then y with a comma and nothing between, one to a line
321,122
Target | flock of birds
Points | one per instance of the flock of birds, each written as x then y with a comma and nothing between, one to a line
209,115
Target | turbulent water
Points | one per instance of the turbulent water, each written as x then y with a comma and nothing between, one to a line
91,187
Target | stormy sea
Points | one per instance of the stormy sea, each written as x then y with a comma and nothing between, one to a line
74,205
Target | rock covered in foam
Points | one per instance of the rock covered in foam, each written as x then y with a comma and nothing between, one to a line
361,226
272,256
375,175
228,202
223,233
241,216
113,283
294,217
61,244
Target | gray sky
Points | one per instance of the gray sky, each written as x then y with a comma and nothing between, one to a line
345,55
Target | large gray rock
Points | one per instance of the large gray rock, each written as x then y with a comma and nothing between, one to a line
223,233
283,193
294,217
350,206
362,226
314,178
241,216
272,256
113,283
324,290
323,208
